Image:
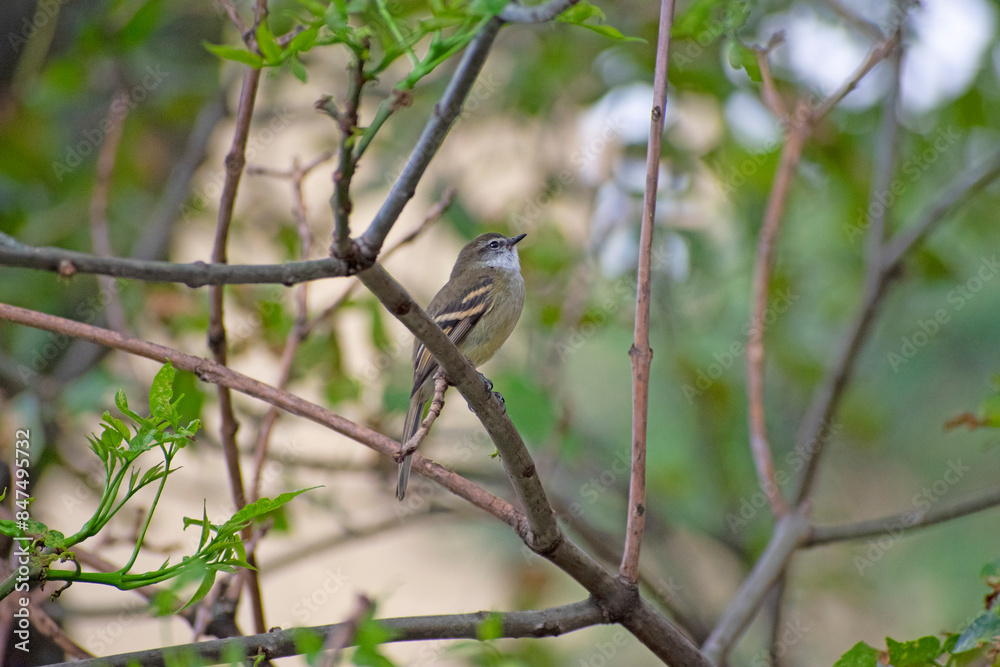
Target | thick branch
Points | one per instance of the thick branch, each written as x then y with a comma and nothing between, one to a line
788,536
446,111
282,643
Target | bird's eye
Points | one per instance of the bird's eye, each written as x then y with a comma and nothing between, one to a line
494,244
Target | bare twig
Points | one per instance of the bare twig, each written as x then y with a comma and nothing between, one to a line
235,161
897,524
856,21
433,412
517,13
619,599
340,202
879,53
432,216
640,352
759,444
788,536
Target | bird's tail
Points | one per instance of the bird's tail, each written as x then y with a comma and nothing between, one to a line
410,426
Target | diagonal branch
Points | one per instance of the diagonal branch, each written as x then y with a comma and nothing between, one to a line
213,373
446,112
641,353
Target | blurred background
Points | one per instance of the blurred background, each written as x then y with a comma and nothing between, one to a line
551,143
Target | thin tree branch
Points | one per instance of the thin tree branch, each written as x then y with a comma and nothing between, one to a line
798,131
968,184
211,372
433,412
340,201
235,162
788,536
197,274
815,426
856,21
640,352
516,13
879,53
446,112
904,522
282,643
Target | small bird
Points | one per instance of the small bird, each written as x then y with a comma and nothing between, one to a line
477,308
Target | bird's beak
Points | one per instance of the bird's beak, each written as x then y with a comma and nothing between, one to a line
514,241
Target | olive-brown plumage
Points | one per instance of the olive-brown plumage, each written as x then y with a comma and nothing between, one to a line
477,309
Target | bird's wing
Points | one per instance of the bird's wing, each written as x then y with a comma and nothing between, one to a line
456,318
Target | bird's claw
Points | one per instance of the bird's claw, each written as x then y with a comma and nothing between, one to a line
503,403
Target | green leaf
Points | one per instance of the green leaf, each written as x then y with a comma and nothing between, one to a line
707,20
590,17
989,411
203,589
368,638
745,58
263,506
981,630
141,24
314,7
860,655
491,628
304,40
160,393
268,46
233,53
122,403
917,652
308,642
